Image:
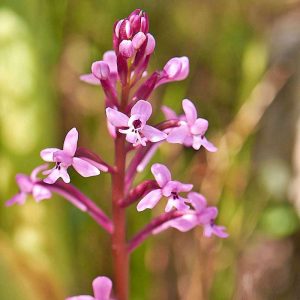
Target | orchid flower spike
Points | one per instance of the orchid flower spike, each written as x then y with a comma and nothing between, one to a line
192,129
66,158
136,130
168,188
29,185
102,287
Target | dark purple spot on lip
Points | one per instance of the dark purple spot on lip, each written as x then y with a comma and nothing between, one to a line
136,123
174,195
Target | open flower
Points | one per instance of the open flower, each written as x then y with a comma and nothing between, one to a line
102,289
136,130
192,129
66,158
200,215
29,185
168,188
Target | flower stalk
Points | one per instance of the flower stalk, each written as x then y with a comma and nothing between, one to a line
128,117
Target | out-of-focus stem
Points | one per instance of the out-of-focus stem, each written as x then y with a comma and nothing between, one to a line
148,229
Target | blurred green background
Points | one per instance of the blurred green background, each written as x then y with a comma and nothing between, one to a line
245,79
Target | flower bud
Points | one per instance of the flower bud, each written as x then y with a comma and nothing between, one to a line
100,70
126,48
173,67
138,40
150,44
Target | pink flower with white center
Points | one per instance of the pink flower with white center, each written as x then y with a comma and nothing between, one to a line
65,158
29,185
168,188
136,130
198,201
110,59
192,129
201,215
102,287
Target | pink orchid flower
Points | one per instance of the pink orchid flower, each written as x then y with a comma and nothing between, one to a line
168,188
102,289
199,203
201,215
192,129
29,185
66,158
137,131
110,58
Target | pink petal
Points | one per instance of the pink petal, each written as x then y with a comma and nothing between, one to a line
138,40
176,203
19,198
36,171
185,68
220,231
178,134
169,113
150,200
55,174
24,183
111,59
150,44
81,298
84,168
197,142
199,127
100,70
90,78
161,173
40,193
126,48
70,143
190,111
208,145
152,134
197,200
102,288
209,213
173,67
176,187
47,154
184,223
116,118
111,129
142,108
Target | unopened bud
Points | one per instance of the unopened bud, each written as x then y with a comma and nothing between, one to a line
138,40
100,70
150,44
126,48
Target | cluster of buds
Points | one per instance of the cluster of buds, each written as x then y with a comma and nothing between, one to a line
128,113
